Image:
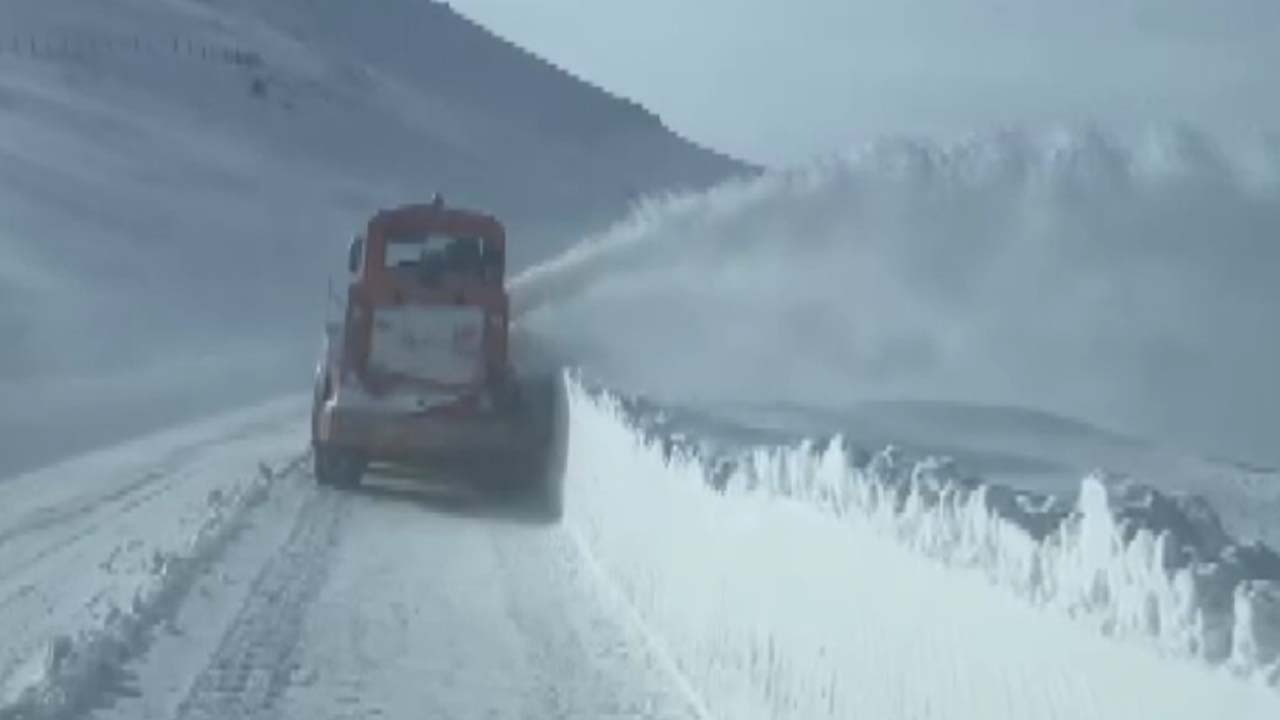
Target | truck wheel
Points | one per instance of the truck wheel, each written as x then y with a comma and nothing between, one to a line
338,467
545,417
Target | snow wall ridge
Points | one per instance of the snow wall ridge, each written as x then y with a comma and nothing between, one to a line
1132,561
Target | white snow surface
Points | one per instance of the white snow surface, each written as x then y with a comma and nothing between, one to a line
201,573
97,550
818,581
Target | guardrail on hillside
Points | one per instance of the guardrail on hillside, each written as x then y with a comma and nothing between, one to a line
85,48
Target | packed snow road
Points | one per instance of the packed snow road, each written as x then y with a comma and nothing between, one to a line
202,573
396,603
273,597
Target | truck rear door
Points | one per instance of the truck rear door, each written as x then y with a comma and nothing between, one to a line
432,320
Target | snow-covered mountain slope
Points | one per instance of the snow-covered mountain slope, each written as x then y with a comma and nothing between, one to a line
201,573
1129,284
178,178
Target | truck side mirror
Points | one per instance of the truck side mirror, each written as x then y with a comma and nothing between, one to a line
355,253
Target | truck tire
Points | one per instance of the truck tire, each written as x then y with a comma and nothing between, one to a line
545,417
338,467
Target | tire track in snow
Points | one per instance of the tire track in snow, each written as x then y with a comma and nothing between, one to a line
111,501
46,517
88,663
254,661
131,496
113,505
41,518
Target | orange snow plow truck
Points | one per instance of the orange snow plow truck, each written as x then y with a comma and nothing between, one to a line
418,372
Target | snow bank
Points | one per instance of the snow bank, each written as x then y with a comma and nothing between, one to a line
776,575
1128,283
97,552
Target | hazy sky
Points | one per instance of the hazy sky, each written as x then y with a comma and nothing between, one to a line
778,80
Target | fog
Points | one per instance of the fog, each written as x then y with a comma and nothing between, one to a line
156,213
1130,284
178,181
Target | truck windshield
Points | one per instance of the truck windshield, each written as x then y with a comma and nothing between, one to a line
429,256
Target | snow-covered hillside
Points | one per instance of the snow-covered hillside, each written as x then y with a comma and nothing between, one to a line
178,178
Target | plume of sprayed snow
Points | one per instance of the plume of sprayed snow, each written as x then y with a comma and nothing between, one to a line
1134,284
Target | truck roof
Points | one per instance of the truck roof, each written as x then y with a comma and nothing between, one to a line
408,219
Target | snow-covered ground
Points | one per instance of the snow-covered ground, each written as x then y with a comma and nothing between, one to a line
818,580
96,551
202,573
1023,449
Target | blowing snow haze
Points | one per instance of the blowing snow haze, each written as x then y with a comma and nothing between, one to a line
1134,286
1075,207
178,180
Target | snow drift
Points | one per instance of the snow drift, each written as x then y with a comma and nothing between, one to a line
98,552
1132,284
820,580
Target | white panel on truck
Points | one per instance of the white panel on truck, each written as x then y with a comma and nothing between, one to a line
438,343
